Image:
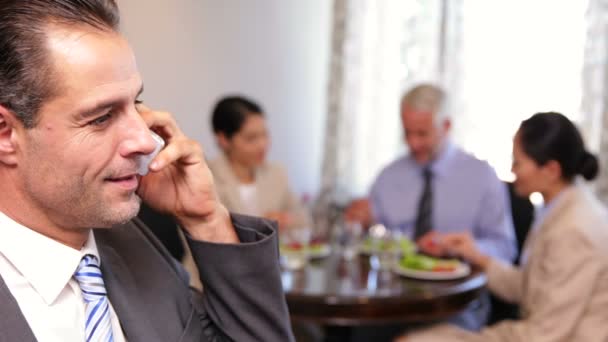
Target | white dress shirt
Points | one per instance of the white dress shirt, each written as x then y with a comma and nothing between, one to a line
39,273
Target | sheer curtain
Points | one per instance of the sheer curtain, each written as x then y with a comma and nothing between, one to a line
378,49
500,62
595,88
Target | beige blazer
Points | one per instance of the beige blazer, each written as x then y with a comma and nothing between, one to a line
562,289
273,192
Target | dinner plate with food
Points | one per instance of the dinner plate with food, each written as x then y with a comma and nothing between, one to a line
420,266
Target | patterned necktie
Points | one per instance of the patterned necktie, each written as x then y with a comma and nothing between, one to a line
425,206
98,326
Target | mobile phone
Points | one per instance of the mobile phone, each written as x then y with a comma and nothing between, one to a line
144,160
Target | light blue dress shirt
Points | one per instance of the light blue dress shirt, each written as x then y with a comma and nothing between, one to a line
467,196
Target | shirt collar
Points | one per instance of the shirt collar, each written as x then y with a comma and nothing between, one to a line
542,211
440,164
46,264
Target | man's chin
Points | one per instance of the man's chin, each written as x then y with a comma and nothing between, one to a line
422,159
122,214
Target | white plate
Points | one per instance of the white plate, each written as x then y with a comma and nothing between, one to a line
461,271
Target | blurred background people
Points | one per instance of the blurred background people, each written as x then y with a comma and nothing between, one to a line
246,182
437,187
562,284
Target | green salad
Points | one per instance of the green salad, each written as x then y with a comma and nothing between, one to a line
402,245
426,263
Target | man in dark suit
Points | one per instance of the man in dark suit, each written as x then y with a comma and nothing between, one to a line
74,264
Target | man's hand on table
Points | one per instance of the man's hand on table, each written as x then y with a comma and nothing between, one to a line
431,243
359,210
461,244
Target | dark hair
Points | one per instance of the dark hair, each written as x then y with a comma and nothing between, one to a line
230,114
27,78
552,136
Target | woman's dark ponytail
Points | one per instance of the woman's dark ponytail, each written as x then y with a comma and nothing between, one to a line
589,166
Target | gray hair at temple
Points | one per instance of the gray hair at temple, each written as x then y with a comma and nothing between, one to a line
428,98
27,76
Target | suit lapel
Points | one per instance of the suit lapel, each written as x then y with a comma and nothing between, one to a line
13,325
124,295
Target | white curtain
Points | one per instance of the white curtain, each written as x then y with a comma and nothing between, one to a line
499,61
379,48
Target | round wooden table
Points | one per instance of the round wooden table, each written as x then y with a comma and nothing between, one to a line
332,291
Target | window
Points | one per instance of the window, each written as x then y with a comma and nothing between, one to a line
519,58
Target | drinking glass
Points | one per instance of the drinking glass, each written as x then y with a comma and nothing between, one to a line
387,248
349,237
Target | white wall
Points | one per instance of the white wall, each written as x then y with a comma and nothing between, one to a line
191,52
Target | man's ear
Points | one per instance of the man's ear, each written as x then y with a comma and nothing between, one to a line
447,125
8,136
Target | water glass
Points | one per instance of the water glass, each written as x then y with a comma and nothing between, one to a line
349,237
387,248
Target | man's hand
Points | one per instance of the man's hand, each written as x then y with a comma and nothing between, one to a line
359,210
284,219
431,243
180,183
463,245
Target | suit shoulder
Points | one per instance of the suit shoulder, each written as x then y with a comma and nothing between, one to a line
273,171
590,217
215,164
220,169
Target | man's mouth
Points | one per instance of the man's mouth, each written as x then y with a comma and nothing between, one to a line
127,182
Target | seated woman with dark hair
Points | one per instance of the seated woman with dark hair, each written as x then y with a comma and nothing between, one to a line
562,283
246,182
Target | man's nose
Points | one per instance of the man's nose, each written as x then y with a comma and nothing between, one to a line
414,143
138,137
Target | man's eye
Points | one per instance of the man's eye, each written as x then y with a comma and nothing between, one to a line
138,101
101,120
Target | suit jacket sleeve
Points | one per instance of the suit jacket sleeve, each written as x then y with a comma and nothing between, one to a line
506,281
493,231
243,295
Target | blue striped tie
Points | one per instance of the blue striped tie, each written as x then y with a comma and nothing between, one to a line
98,326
